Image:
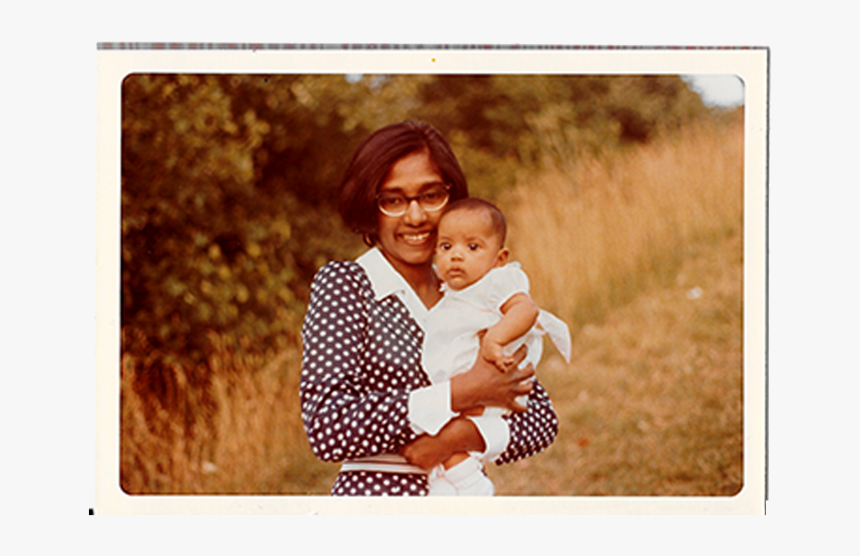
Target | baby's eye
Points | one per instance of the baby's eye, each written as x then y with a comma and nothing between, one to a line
444,246
473,246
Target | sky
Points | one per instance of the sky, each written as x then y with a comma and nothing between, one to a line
718,90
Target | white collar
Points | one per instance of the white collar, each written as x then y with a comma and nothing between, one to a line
387,281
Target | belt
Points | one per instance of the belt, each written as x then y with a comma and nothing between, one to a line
383,463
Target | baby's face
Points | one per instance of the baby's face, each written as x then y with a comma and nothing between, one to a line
467,248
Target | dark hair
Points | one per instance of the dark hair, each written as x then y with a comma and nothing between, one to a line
374,158
497,217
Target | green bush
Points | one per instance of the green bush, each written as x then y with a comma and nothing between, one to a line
229,181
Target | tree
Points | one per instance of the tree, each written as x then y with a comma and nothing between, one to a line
229,181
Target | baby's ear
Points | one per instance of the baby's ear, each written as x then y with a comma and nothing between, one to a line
502,257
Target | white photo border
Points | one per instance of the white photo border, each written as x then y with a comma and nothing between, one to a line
117,60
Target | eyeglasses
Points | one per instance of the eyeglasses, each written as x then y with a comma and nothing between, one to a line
395,204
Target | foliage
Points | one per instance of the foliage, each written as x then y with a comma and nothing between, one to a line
228,198
221,223
228,181
508,127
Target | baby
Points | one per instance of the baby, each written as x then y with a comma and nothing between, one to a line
486,311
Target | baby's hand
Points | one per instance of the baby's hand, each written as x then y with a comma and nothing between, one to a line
494,353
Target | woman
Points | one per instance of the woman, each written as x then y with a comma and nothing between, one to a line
366,401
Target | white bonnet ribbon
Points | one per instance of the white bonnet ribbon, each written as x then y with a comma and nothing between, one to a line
558,332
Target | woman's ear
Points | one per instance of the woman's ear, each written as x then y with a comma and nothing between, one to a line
502,257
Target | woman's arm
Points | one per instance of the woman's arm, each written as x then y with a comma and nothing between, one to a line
531,431
346,414
458,436
484,386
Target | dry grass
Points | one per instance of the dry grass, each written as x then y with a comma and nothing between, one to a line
641,253
651,404
594,236
240,433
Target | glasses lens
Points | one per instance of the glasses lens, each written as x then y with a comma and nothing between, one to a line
397,205
434,199
392,205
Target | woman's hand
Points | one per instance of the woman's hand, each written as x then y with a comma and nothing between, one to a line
459,435
485,385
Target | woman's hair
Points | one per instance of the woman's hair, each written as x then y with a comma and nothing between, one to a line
374,158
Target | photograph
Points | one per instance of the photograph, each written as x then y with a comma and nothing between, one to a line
517,278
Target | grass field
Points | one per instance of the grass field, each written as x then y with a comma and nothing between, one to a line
641,252
651,403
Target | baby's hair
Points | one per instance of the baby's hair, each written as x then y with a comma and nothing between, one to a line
497,218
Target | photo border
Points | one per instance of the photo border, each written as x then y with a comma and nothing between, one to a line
117,60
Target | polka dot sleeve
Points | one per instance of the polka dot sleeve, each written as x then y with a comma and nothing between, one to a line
533,430
361,358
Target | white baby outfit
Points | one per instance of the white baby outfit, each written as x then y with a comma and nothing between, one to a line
452,346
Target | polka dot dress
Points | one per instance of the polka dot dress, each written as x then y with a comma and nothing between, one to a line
362,357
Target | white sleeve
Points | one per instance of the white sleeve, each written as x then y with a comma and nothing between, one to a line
505,282
496,433
430,408
430,411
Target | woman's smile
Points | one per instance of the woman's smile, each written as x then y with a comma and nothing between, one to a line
417,239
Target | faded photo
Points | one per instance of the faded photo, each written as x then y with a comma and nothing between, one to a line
624,202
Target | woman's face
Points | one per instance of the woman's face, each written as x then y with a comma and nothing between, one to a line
410,239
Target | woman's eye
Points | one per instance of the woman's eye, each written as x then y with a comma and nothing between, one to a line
390,202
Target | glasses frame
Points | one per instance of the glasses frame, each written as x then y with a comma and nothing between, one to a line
409,200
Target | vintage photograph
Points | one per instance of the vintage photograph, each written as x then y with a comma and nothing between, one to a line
487,283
